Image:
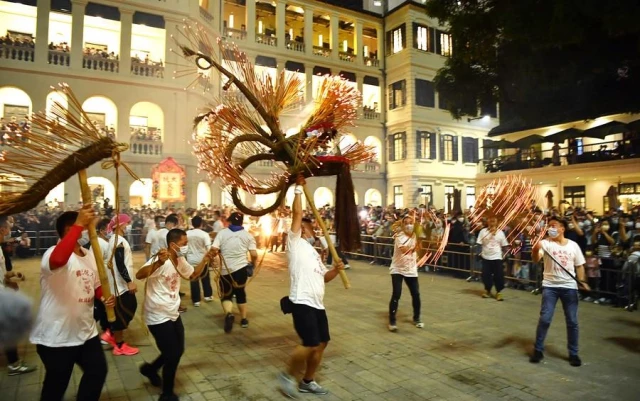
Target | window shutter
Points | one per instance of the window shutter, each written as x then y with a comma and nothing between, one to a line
415,35
438,43
404,91
391,106
432,40
404,36
476,157
442,155
432,146
391,146
455,149
389,41
419,136
404,146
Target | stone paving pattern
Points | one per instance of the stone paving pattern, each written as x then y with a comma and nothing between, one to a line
470,349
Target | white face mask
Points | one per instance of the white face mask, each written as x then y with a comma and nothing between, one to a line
182,250
408,227
460,219
570,226
311,240
638,225
553,232
581,225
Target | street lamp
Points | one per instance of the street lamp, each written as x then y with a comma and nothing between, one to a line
483,118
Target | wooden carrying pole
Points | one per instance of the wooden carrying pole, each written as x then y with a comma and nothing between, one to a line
332,249
87,199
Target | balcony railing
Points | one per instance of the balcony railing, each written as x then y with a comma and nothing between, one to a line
235,34
13,52
266,39
59,57
295,46
145,147
345,56
370,167
369,113
100,63
599,152
233,96
321,51
155,70
371,62
205,14
265,163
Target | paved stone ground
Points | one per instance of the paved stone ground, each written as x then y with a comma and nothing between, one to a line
470,349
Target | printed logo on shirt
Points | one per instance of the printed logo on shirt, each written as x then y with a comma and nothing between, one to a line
172,281
563,257
87,278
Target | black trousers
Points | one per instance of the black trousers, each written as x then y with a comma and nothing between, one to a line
205,279
414,289
58,364
228,289
169,338
12,355
492,274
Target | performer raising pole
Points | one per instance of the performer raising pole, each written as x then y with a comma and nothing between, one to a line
308,275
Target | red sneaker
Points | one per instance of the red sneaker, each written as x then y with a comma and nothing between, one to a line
107,338
125,349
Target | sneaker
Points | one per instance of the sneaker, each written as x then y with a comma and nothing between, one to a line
196,304
182,309
20,369
347,266
588,299
574,360
486,294
499,297
107,338
536,357
393,328
244,323
311,387
168,397
287,385
147,371
597,302
228,322
125,349
418,324
208,299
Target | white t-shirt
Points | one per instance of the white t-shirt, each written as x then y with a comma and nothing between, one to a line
153,240
404,263
306,272
233,248
3,268
323,241
65,316
569,255
492,244
217,226
160,241
128,261
199,244
162,299
104,250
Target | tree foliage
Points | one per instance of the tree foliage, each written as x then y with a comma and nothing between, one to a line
544,61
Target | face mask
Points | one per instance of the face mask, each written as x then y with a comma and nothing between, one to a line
182,250
629,224
638,225
605,227
615,221
570,226
553,232
109,235
408,227
581,225
460,219
311,240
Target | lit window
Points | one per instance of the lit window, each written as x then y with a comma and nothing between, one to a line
446,44
397,40
398,198
471,196
422,38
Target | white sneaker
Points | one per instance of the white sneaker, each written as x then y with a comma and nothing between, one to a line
393,328
288,385
311,387
208,299
346,267
419,324
196,304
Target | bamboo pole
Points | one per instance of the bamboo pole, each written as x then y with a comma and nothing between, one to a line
332,249
87,199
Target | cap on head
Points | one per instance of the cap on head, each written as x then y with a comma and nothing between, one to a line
236,218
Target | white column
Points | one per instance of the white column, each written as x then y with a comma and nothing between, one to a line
280,65
42,33
251,21
308,31
335,46
77,32
308,71
126,27
280,22
360,84
358,43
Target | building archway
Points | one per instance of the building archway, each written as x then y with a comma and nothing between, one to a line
61,99
322,197
226,196
103,113
141,192
376,145
203,194
291,195
373,197
346,141
15,105
146,121
55,196
101,188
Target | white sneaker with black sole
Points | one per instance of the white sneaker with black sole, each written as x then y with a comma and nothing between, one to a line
311,387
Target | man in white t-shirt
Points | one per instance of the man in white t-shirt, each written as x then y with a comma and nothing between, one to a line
559,282
233,243
199,245
494,244
308,275
218,223
65,331
152,242
15,366
162,300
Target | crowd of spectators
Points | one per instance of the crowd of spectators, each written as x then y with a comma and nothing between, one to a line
12,129
60,47
24,41
146,134
99,53
607,240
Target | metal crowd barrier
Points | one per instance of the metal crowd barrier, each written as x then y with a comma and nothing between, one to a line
45,239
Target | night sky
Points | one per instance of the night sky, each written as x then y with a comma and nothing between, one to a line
352,4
